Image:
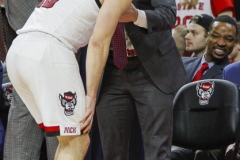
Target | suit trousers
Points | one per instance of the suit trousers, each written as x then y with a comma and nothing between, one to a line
24,138
124,92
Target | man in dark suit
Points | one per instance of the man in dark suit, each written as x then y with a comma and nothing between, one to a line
154,72
220,43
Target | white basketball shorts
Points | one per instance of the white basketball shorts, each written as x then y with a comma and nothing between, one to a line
45,74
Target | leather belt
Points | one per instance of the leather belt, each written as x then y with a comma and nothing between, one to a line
131,53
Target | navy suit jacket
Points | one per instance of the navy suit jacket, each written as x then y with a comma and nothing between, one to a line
215,72
232,73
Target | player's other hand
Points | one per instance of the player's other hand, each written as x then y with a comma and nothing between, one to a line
87,118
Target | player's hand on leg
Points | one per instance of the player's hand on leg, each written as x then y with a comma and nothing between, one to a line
87,118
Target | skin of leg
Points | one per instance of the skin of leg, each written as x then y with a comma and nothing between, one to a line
72,147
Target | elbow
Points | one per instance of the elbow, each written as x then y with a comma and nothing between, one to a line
96,43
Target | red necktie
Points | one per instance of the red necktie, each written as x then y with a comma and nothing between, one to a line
119,47
200,72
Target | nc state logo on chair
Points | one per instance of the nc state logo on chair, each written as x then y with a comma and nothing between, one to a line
205,91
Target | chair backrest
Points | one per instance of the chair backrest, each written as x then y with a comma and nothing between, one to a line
206,114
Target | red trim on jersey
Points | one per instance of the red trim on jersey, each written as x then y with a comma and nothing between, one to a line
41,125
219,6
52,129
49,128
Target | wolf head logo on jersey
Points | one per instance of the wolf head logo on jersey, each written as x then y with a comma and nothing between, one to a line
7,93
68,101
205,91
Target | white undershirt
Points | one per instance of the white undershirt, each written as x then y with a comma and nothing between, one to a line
141,20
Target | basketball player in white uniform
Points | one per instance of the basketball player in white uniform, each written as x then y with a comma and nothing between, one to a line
43,69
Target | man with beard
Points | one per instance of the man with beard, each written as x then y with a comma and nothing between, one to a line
220,43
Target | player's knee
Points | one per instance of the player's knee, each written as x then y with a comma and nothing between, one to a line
64,140
82,139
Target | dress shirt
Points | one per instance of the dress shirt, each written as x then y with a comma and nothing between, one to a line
141,20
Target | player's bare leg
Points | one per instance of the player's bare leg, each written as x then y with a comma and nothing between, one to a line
72,147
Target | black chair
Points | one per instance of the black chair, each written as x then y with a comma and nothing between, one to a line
206,114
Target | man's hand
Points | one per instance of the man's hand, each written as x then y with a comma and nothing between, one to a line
130,15
87,119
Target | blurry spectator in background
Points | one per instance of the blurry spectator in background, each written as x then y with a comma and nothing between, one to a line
197,33
179,34
188,8
235,55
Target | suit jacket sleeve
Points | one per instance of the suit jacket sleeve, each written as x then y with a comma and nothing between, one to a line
162,16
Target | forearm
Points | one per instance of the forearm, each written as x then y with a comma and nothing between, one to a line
96,60
98,46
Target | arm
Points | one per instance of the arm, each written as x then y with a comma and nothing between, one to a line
97,53
132,14
160,16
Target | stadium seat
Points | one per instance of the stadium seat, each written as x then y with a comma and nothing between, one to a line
206,114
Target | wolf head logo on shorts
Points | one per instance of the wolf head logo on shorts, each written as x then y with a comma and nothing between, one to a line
68,101
205,91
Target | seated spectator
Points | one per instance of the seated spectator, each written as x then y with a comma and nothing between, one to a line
220,43
235,55
196,38
179,34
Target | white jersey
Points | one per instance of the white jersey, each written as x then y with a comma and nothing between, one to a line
184,14
74,21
